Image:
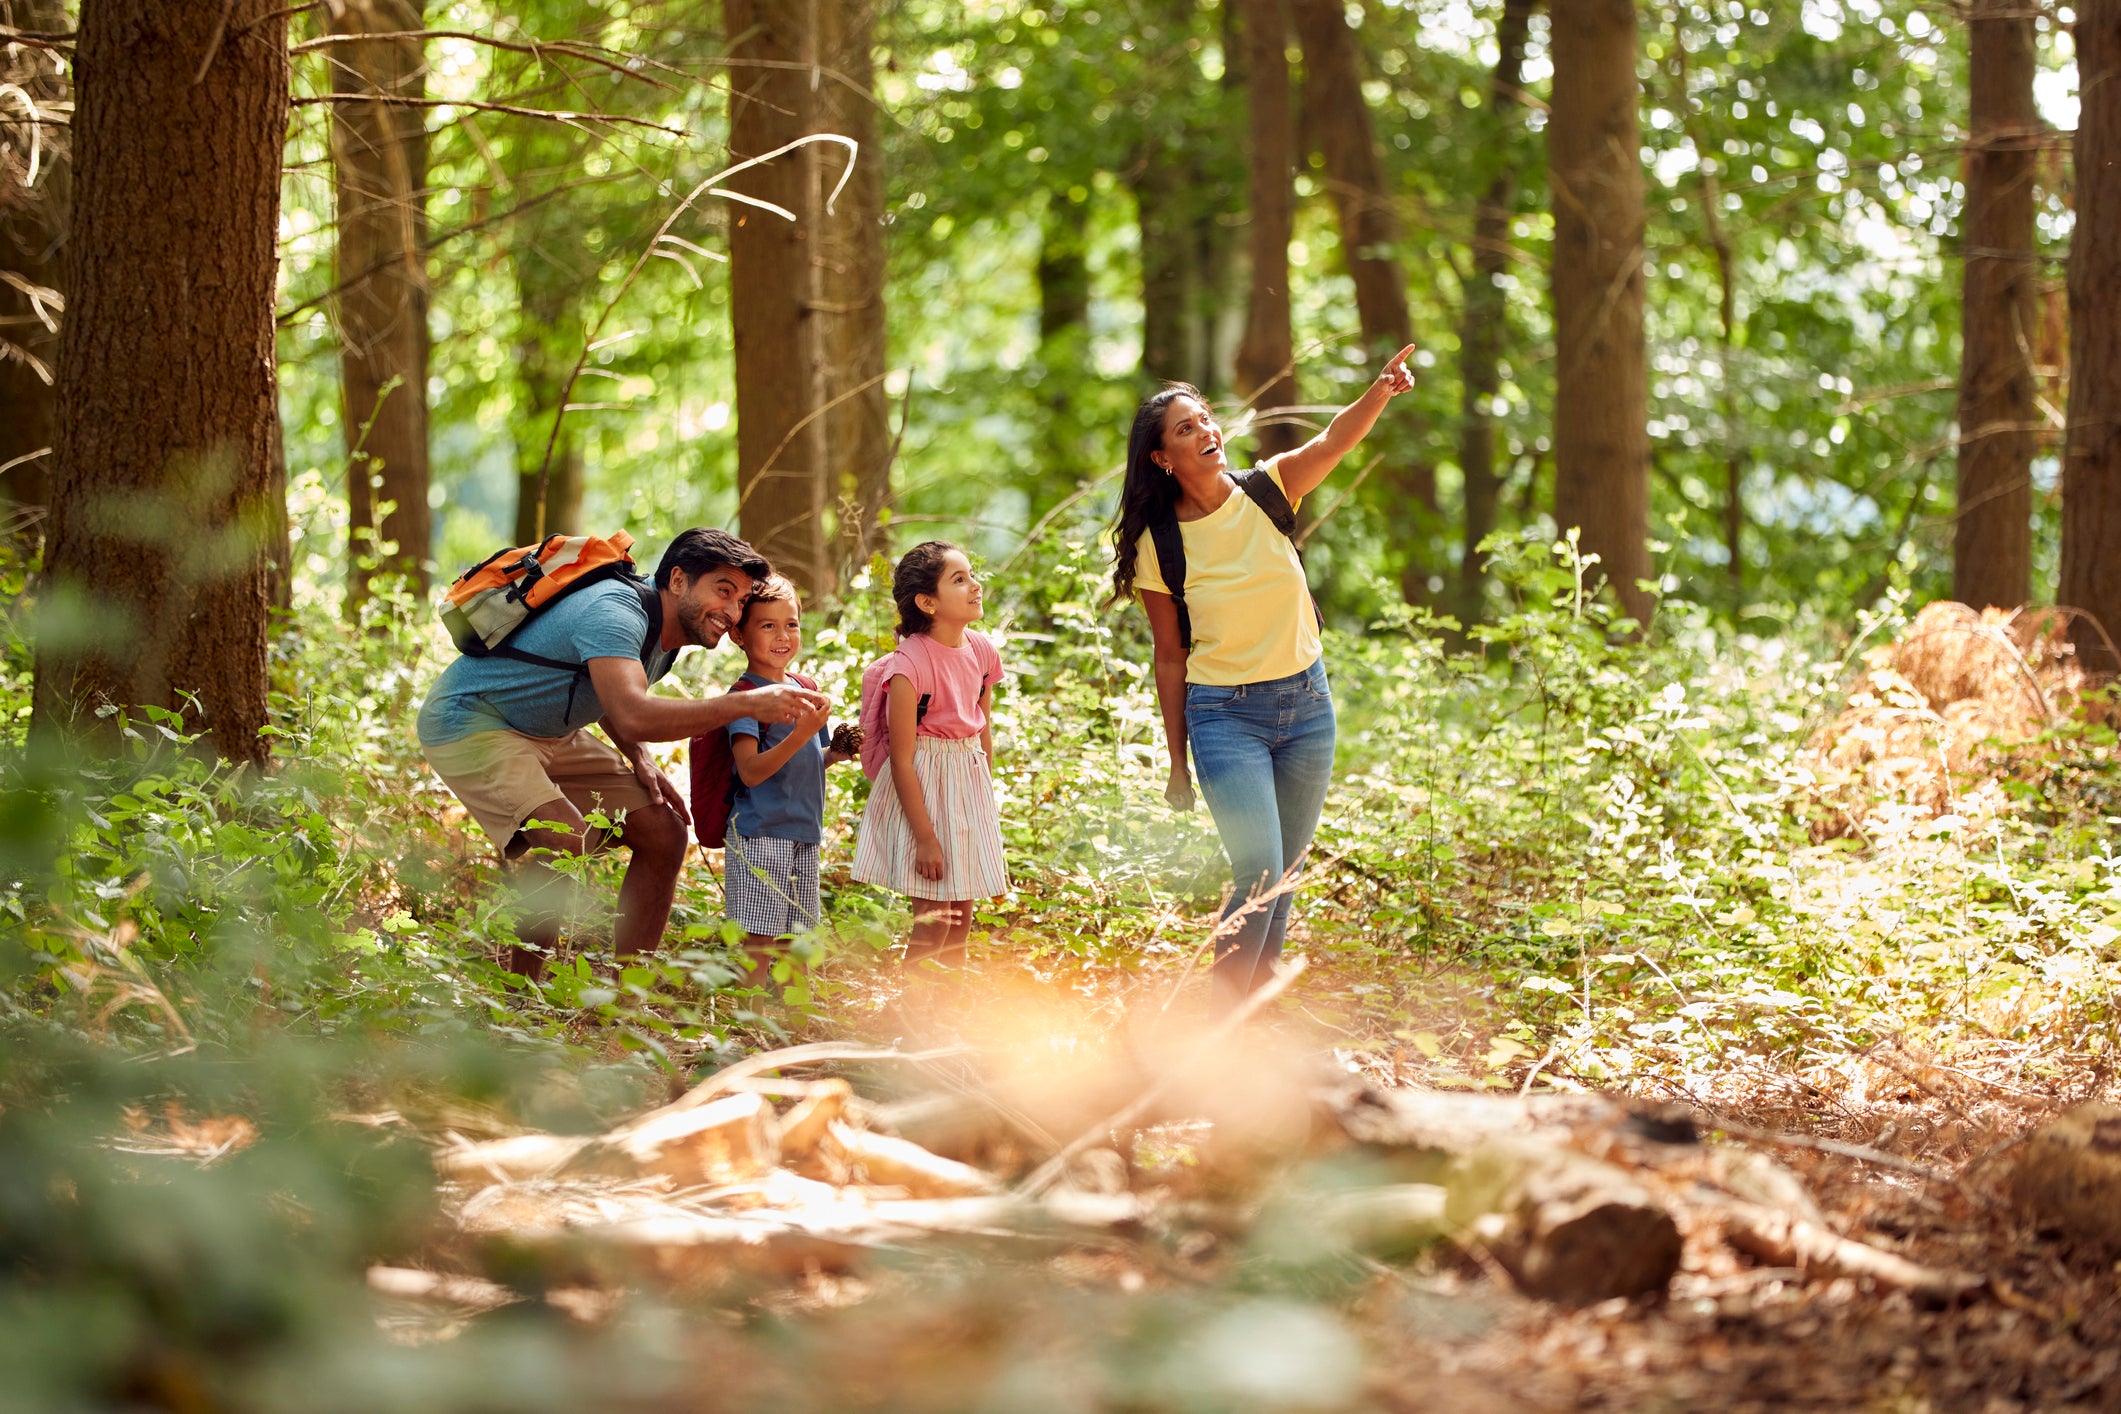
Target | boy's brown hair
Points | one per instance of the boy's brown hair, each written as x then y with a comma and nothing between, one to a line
771,589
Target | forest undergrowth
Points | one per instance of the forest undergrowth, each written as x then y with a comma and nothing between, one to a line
1556,855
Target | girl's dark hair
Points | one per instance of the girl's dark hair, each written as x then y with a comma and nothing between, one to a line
920,571
1149,492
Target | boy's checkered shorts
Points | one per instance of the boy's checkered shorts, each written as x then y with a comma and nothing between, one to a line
770,885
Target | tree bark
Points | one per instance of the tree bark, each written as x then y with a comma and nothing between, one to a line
1601,397
1063,350
550,272
773,291
1484,318
1266,360
853,332
2091,467
379,164
33,217
1992,542
1184,177
1339,118
165,422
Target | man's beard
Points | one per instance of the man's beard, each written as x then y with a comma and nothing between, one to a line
699,625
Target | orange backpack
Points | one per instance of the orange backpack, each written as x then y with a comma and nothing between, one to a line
497,596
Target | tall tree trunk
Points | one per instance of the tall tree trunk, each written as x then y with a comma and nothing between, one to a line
780,437
379,164
1484,315
1186,181
853,330
35,178
551,270
1063,349
1992,543
2091,466
1601,396
1266,360
1339,118
165,423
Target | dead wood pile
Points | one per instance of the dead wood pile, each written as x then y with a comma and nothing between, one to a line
1577,1198
1939,715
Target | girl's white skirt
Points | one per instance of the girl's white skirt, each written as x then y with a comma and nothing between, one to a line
960,799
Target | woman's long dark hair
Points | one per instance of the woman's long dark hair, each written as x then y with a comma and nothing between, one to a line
1149,492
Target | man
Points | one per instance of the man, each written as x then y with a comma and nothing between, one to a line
510,738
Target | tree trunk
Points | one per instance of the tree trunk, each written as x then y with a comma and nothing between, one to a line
1339,118
853,332
1601,398
1266,360
1185,177
550,271
1063,350
773,282
1992,543
379,164
1484,321
33,215
165,423
2091,467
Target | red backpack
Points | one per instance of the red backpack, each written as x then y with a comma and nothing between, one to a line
714,777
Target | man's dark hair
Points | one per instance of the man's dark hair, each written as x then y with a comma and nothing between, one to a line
700,550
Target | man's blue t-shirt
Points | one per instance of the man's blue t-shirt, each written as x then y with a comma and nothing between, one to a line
604,620
790,803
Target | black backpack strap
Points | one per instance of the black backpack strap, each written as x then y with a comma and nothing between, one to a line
1270,498
1170,548
652,604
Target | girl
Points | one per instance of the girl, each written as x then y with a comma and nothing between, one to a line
931,831
1240,674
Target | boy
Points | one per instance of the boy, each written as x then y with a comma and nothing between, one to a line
777,819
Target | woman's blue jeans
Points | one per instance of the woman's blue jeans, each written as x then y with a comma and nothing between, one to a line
1263,754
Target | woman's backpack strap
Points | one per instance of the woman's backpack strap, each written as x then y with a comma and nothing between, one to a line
1170,548
1270,498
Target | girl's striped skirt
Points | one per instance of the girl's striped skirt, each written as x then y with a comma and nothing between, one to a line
960,799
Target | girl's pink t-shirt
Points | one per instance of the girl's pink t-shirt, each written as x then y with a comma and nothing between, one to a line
953,678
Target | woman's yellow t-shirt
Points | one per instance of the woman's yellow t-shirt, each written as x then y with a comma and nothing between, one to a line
1246,593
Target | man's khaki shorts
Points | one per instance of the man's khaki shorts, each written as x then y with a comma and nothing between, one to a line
503,777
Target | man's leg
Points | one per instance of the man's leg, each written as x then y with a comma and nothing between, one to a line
653,833
656,836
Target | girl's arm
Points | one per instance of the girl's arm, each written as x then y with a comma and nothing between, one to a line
1305,467
986,731
902,709
1170,658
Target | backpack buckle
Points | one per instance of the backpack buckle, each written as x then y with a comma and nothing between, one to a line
531,570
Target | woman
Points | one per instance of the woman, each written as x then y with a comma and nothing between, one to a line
1239,670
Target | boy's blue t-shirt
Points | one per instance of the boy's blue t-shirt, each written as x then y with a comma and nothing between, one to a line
604,620
790,803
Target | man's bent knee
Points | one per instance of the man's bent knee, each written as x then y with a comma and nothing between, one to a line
655,834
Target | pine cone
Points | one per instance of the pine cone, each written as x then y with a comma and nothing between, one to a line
847,739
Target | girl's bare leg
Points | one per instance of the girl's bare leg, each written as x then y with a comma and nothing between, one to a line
934,929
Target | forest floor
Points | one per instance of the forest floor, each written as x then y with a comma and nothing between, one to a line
1449,1331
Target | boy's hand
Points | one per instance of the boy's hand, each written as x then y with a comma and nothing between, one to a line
785,702
813,721
928,858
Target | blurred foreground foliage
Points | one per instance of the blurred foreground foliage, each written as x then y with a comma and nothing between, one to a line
1562,849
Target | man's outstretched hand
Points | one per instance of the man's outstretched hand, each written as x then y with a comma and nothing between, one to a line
784,702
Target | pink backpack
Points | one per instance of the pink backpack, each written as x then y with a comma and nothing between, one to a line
911,658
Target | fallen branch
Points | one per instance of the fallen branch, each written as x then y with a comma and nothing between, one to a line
1046,1174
